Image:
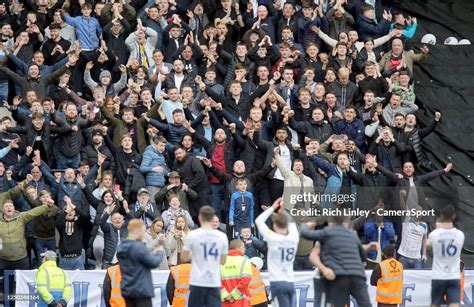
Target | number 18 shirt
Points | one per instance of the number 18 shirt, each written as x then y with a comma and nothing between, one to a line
447,245
207,246
281,248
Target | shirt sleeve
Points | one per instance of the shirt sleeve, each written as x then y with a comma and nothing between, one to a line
188,239
262,226
225,246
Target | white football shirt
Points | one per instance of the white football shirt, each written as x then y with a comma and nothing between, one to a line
412,238
281,249
447,245
207,246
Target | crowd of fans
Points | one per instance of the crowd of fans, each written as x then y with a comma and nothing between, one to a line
153,109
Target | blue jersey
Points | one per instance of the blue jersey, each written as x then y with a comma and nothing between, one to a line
241,208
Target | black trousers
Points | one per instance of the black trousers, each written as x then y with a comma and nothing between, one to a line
344,286
138,302
22,264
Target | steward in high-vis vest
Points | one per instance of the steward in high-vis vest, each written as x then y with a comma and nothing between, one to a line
388,277
236,275
112,291
177,287
258,294
52,283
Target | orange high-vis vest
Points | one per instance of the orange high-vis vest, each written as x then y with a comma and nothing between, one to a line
115,275
181,274
390,284
257,288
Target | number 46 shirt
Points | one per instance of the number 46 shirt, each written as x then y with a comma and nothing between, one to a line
447,245
207,246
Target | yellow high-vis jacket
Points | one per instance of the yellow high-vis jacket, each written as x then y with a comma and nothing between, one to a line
52,283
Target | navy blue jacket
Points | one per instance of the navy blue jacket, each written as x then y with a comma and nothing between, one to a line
136,262
368,28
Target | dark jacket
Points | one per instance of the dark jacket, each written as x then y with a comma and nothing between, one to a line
372,186
135,181
64,188
312,129
355,130
174,133
99,207
242,108
71,243
230,180
71,142
388,156
255,156
11,157
341,249
345,94
123,161
39,85
31,134
418,181
193,174
188,80
112,236
368,28
377,85
210,147
255,248
90,154
136,262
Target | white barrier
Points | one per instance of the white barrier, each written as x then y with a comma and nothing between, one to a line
87,288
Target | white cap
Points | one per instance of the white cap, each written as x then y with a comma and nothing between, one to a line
451,41
429,39
464,42
257,261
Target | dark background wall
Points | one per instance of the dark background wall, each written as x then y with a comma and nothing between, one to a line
445,83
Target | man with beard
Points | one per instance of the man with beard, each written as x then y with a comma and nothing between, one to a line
193,174
11,158
34,80
55,48
67,32
315,128
229,179
91,152
414,135
221,153
70,143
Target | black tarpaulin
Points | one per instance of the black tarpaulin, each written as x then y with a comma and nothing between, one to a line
445,83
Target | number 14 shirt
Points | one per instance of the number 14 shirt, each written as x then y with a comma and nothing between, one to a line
447,245
207,246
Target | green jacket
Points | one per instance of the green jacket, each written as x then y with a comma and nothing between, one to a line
410,58
12,233
10,194
120,127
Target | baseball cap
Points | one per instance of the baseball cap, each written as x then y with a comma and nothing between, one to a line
49,255
173,174
142,190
